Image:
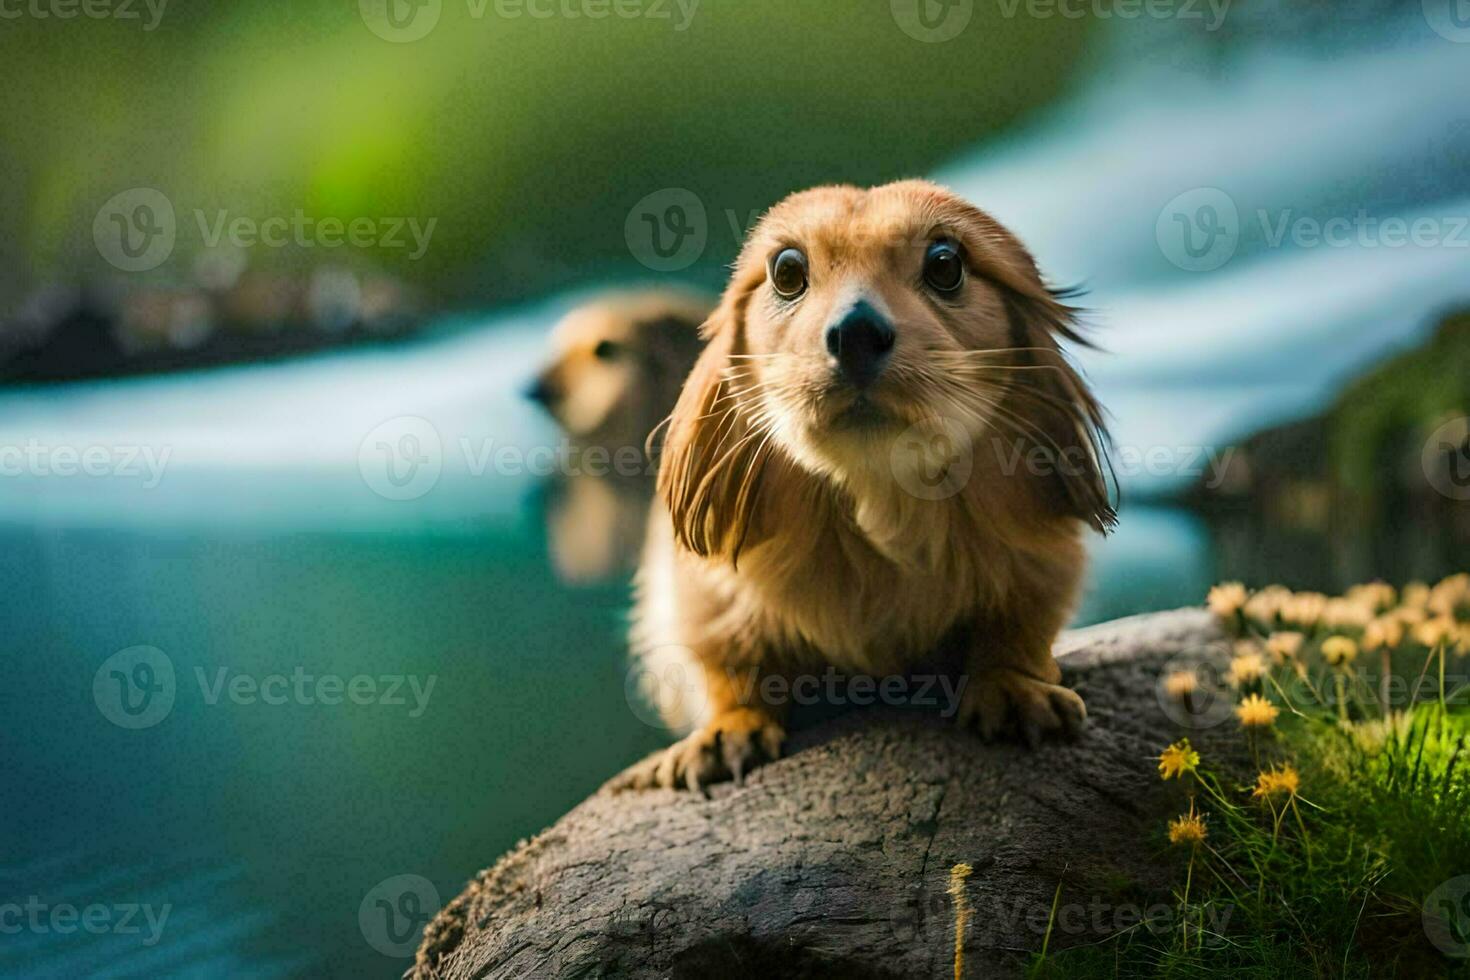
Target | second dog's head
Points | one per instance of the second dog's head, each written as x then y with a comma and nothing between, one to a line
855,316
617,364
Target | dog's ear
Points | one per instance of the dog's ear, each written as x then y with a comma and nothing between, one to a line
1062,416
712,462
1065,420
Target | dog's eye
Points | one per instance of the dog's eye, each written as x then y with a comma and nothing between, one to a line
788,273
607,350
944,269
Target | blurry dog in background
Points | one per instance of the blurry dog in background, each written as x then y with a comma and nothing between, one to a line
882,448
616,368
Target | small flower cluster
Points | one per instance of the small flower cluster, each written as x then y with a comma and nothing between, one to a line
1278,630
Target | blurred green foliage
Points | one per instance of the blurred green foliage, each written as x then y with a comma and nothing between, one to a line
528,139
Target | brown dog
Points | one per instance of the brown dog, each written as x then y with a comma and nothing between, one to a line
881,447
618,363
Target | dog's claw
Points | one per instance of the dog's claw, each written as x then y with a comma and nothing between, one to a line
728,748
998,699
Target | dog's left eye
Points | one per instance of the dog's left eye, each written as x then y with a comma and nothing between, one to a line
944,269
606,350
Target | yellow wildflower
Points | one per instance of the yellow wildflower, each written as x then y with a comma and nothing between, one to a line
1247,667
1177,760
1410,615
1226,599
1414,596
1284,646
1440,629
1304,609
1339,651
1383,633
1180,684
1346,614
1451,596
1281,781
1266,605
1379,596
1256,712
1188,829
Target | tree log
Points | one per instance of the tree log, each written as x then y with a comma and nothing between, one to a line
836,860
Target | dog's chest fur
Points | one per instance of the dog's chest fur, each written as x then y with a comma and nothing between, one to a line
869,589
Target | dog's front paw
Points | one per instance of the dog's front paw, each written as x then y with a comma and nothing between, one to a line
732,744
999,699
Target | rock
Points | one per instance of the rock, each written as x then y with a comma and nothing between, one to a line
835,860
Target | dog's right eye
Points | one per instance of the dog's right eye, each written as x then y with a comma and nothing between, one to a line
788,273
606,350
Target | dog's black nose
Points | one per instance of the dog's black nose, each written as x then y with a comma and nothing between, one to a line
540,392
860,342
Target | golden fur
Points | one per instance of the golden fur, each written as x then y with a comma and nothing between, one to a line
614,401
611,400
789,536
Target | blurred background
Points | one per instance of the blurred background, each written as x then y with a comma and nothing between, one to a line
273,279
